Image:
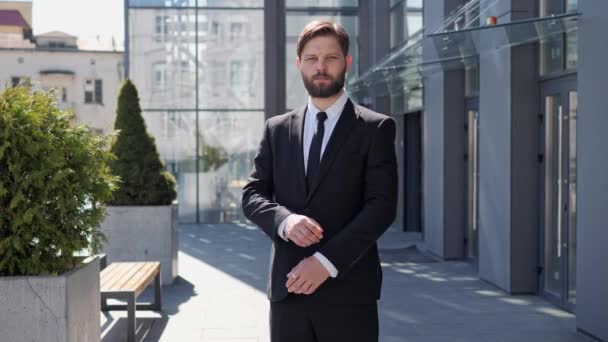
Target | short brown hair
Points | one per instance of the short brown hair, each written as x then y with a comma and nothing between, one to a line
323,28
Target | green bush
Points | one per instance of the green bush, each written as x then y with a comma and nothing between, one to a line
143,178
54,183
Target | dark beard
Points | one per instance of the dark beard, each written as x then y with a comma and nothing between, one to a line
322,91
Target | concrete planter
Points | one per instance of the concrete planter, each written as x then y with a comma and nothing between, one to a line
143,233
52,308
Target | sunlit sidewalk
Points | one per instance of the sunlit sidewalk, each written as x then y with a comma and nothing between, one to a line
220,296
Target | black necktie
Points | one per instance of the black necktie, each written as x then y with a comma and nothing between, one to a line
314,154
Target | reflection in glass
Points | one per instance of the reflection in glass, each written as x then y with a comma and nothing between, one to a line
571,49
552,258
192,3
549,7
227,143
572,175
471,79
321,3
175,136
551,55
231,57
406,19
296,93
571,5
163,51
161,54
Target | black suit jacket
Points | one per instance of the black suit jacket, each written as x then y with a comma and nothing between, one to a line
354,199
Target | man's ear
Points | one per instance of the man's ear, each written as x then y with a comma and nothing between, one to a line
299,63
349,62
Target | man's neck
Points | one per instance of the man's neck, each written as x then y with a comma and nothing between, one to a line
322,103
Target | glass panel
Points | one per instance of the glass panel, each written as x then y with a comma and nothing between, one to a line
571,5
552,262
228,143
406,19
175,136
193,3
551,55
549,7
572,166
404,97
162,3
321,3
296,93
571,49
162,60
471,79
231,55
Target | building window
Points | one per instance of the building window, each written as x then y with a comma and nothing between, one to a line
93,91
237,31
64,94
20,60
215,28
405,20
15,80
161,29
159,71
235,74
558,53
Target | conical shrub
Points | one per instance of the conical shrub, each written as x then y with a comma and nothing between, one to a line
143,178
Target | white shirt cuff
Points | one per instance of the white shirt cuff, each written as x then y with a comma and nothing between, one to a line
333,272
281,230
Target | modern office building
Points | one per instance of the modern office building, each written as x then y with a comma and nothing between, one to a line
500,107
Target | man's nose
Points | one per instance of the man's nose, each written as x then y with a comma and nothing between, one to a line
321,65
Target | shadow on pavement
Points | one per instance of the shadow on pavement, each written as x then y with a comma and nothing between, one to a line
149,324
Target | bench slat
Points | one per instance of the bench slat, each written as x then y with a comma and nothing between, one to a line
111,274
129,276
143,277
124,277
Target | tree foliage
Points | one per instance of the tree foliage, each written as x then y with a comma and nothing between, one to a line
143,178
54,184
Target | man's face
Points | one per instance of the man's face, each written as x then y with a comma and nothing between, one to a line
323,66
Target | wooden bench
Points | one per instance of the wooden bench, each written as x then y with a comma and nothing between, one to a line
126,281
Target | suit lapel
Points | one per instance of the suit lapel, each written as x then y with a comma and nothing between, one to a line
338,137
296,141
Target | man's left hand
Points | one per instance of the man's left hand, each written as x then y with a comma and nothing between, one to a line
307,276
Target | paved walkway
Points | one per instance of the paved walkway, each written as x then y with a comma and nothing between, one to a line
220,296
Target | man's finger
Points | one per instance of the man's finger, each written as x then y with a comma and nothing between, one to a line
310,234
296,285
304,241
313,227
291,278
309,289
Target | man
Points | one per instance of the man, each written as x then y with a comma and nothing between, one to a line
324,188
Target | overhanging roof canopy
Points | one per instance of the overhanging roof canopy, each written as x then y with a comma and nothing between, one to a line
404,68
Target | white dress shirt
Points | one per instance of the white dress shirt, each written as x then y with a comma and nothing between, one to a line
310,128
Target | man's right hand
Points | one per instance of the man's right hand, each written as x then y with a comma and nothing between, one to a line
303,231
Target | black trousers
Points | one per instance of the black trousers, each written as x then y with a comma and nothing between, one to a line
295,320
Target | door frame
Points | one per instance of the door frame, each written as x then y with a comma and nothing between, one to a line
471,104
561,86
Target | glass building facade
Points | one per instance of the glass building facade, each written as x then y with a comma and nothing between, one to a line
199,68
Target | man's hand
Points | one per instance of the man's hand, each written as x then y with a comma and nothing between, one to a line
307,276
302,230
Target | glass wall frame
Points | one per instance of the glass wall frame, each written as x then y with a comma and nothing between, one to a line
199,68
